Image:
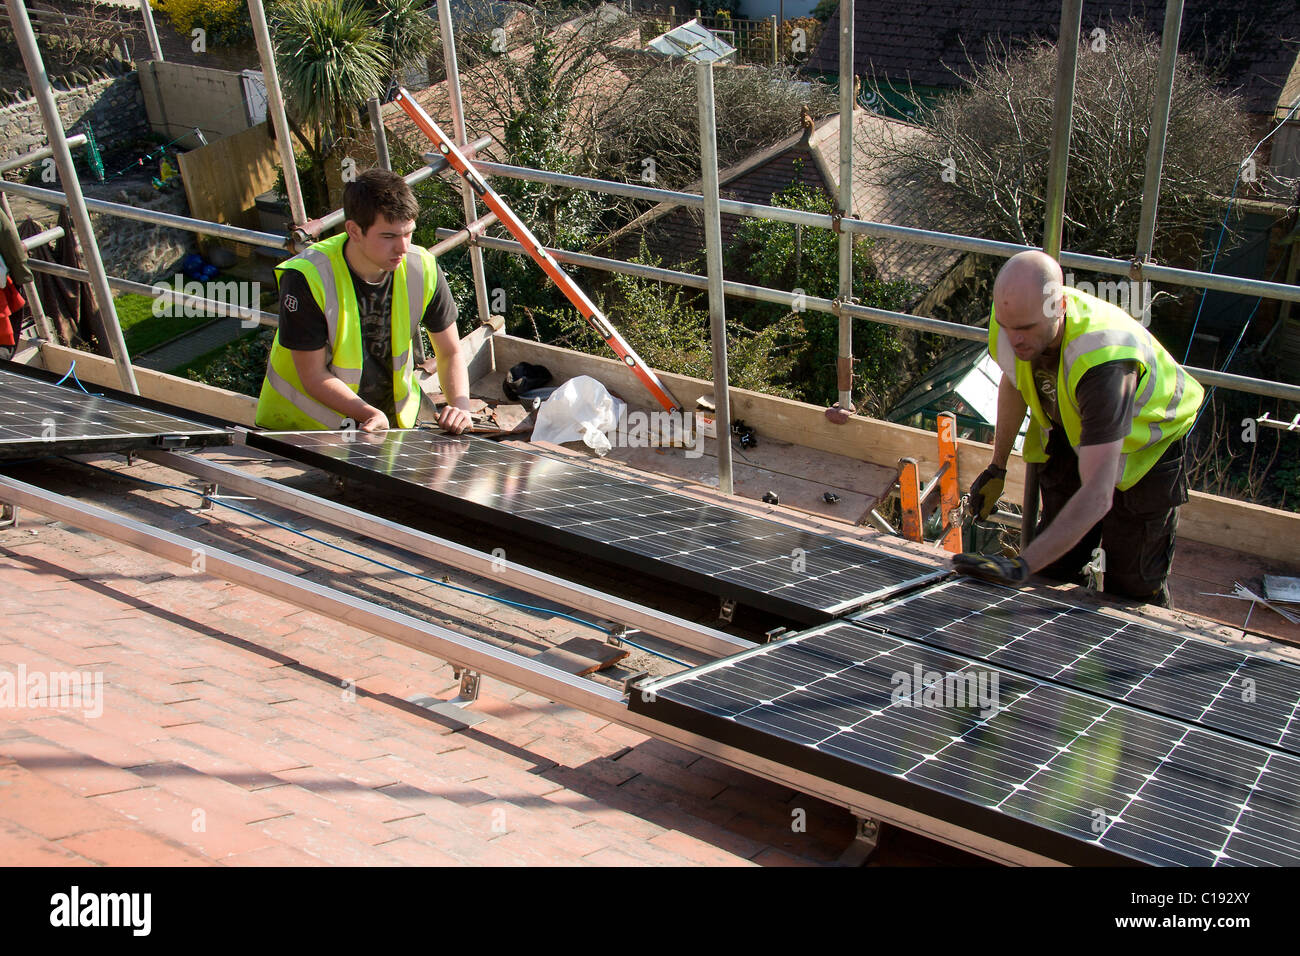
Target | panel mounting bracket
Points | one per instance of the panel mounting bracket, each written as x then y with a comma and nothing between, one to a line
864,842
468,692
726,610
456,708
8,515
209,490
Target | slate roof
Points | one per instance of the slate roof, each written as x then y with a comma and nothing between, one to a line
929,39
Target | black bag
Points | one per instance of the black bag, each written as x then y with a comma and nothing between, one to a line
525,377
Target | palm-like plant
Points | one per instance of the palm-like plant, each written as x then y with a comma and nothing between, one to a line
331,59
406,31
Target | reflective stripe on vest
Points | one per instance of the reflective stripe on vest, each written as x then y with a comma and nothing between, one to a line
284,403
1167,399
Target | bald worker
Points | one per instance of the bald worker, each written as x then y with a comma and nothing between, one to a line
1109,408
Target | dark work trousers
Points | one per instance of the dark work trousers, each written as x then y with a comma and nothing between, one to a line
1136,535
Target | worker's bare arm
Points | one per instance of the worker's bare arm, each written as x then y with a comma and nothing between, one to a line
1011,413
332,392
453,377
1099,467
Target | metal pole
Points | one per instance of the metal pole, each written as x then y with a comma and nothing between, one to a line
43,238
713,258
1159,128
30,293
150,30
377,126
101,294
458,131
1240,383
844,370
927,237
182,298
153,216
275,107
1067,57
37,155
435,163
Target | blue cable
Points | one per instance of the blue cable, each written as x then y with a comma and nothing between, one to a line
72,370
382,564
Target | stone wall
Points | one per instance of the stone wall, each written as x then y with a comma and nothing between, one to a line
114,106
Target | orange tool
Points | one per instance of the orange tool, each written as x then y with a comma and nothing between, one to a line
949,493
534,248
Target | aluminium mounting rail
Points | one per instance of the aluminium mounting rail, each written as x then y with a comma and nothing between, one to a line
677,630
510,667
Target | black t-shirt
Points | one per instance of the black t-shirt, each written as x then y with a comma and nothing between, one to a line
1105,393
303,327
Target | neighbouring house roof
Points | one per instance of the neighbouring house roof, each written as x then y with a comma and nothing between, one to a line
926,42
601,83
675,232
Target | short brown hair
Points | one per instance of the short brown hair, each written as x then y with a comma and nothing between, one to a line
378,192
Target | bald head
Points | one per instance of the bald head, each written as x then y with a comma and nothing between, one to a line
1028,302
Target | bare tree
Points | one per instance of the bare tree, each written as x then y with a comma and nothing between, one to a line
984,162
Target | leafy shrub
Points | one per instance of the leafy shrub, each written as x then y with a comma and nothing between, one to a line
225,22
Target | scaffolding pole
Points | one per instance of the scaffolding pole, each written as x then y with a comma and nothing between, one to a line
36,155
1159,128
740,290
275,107
458,132
376,110
1067,58
43,328
44,93
151,31
881,230
713,257
844,210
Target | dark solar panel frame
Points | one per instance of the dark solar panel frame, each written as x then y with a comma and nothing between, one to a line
1032,775
1144,664
591,511
40,418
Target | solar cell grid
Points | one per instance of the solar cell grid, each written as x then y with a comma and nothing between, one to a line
1148,666
800,575
39,418
1050,768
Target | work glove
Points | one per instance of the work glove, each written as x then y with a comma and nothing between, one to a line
986,491
992,567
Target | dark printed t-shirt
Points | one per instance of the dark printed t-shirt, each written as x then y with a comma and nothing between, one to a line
1105,394
303,327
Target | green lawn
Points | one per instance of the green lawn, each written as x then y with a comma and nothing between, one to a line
143,330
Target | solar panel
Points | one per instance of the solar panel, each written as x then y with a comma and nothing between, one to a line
765,564
1144,664
39,418
1050,769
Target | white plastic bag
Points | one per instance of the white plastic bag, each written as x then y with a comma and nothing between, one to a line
580,409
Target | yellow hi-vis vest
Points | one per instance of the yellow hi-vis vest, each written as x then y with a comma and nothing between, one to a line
1167,399
284,404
